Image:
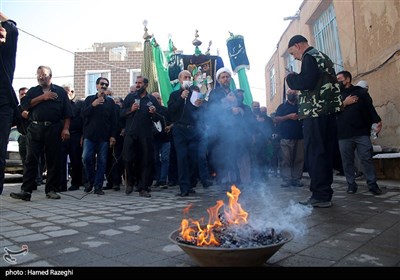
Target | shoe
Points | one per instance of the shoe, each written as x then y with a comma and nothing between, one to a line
297,184
192,191
183,194
159,183
99,192
351,190
52,195
165,186
88,188
375,190
129,189
73,188
171,184
21,195
316,203
286,184
116,188
144,193
107,187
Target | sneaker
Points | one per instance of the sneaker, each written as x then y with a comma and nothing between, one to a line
52,195
73,188
144,193
316,203
21,195
375,190
99,192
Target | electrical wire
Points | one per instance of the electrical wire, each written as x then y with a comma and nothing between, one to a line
70,52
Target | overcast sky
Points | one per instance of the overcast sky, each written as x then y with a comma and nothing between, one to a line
71,26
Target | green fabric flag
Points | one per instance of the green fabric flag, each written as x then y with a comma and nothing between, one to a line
244,85
232,86
162,72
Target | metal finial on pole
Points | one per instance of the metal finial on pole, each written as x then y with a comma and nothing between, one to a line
146,35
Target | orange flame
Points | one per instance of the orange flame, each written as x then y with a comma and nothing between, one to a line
192,231
235,214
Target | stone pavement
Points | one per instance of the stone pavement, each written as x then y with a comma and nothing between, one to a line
116,230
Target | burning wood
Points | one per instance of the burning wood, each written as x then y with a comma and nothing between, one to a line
226,230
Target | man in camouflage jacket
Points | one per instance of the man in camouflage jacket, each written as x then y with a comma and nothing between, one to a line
319,100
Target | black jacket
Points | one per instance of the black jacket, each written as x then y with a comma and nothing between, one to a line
356,119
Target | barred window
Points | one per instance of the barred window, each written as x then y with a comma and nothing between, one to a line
272,82
326,37
291,64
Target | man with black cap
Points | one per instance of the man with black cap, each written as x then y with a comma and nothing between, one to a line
319,100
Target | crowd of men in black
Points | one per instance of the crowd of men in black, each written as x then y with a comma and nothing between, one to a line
220,140
211,136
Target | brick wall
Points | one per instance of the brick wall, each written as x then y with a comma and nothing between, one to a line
119,79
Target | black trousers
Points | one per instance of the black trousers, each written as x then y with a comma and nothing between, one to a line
319,144
73,148
49,138
138,155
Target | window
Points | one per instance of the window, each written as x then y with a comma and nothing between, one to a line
272,82
91,77
326,37
133,73
291,64
118,54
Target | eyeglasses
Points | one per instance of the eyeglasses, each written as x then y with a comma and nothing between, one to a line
104,84
44,76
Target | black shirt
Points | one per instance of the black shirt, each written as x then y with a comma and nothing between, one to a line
140,122
76,120
289,129
49,110
180,110
99,122
308,77
165,121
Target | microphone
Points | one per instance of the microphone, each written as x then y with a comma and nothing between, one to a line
186,87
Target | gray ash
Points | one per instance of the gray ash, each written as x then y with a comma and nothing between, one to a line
243,236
